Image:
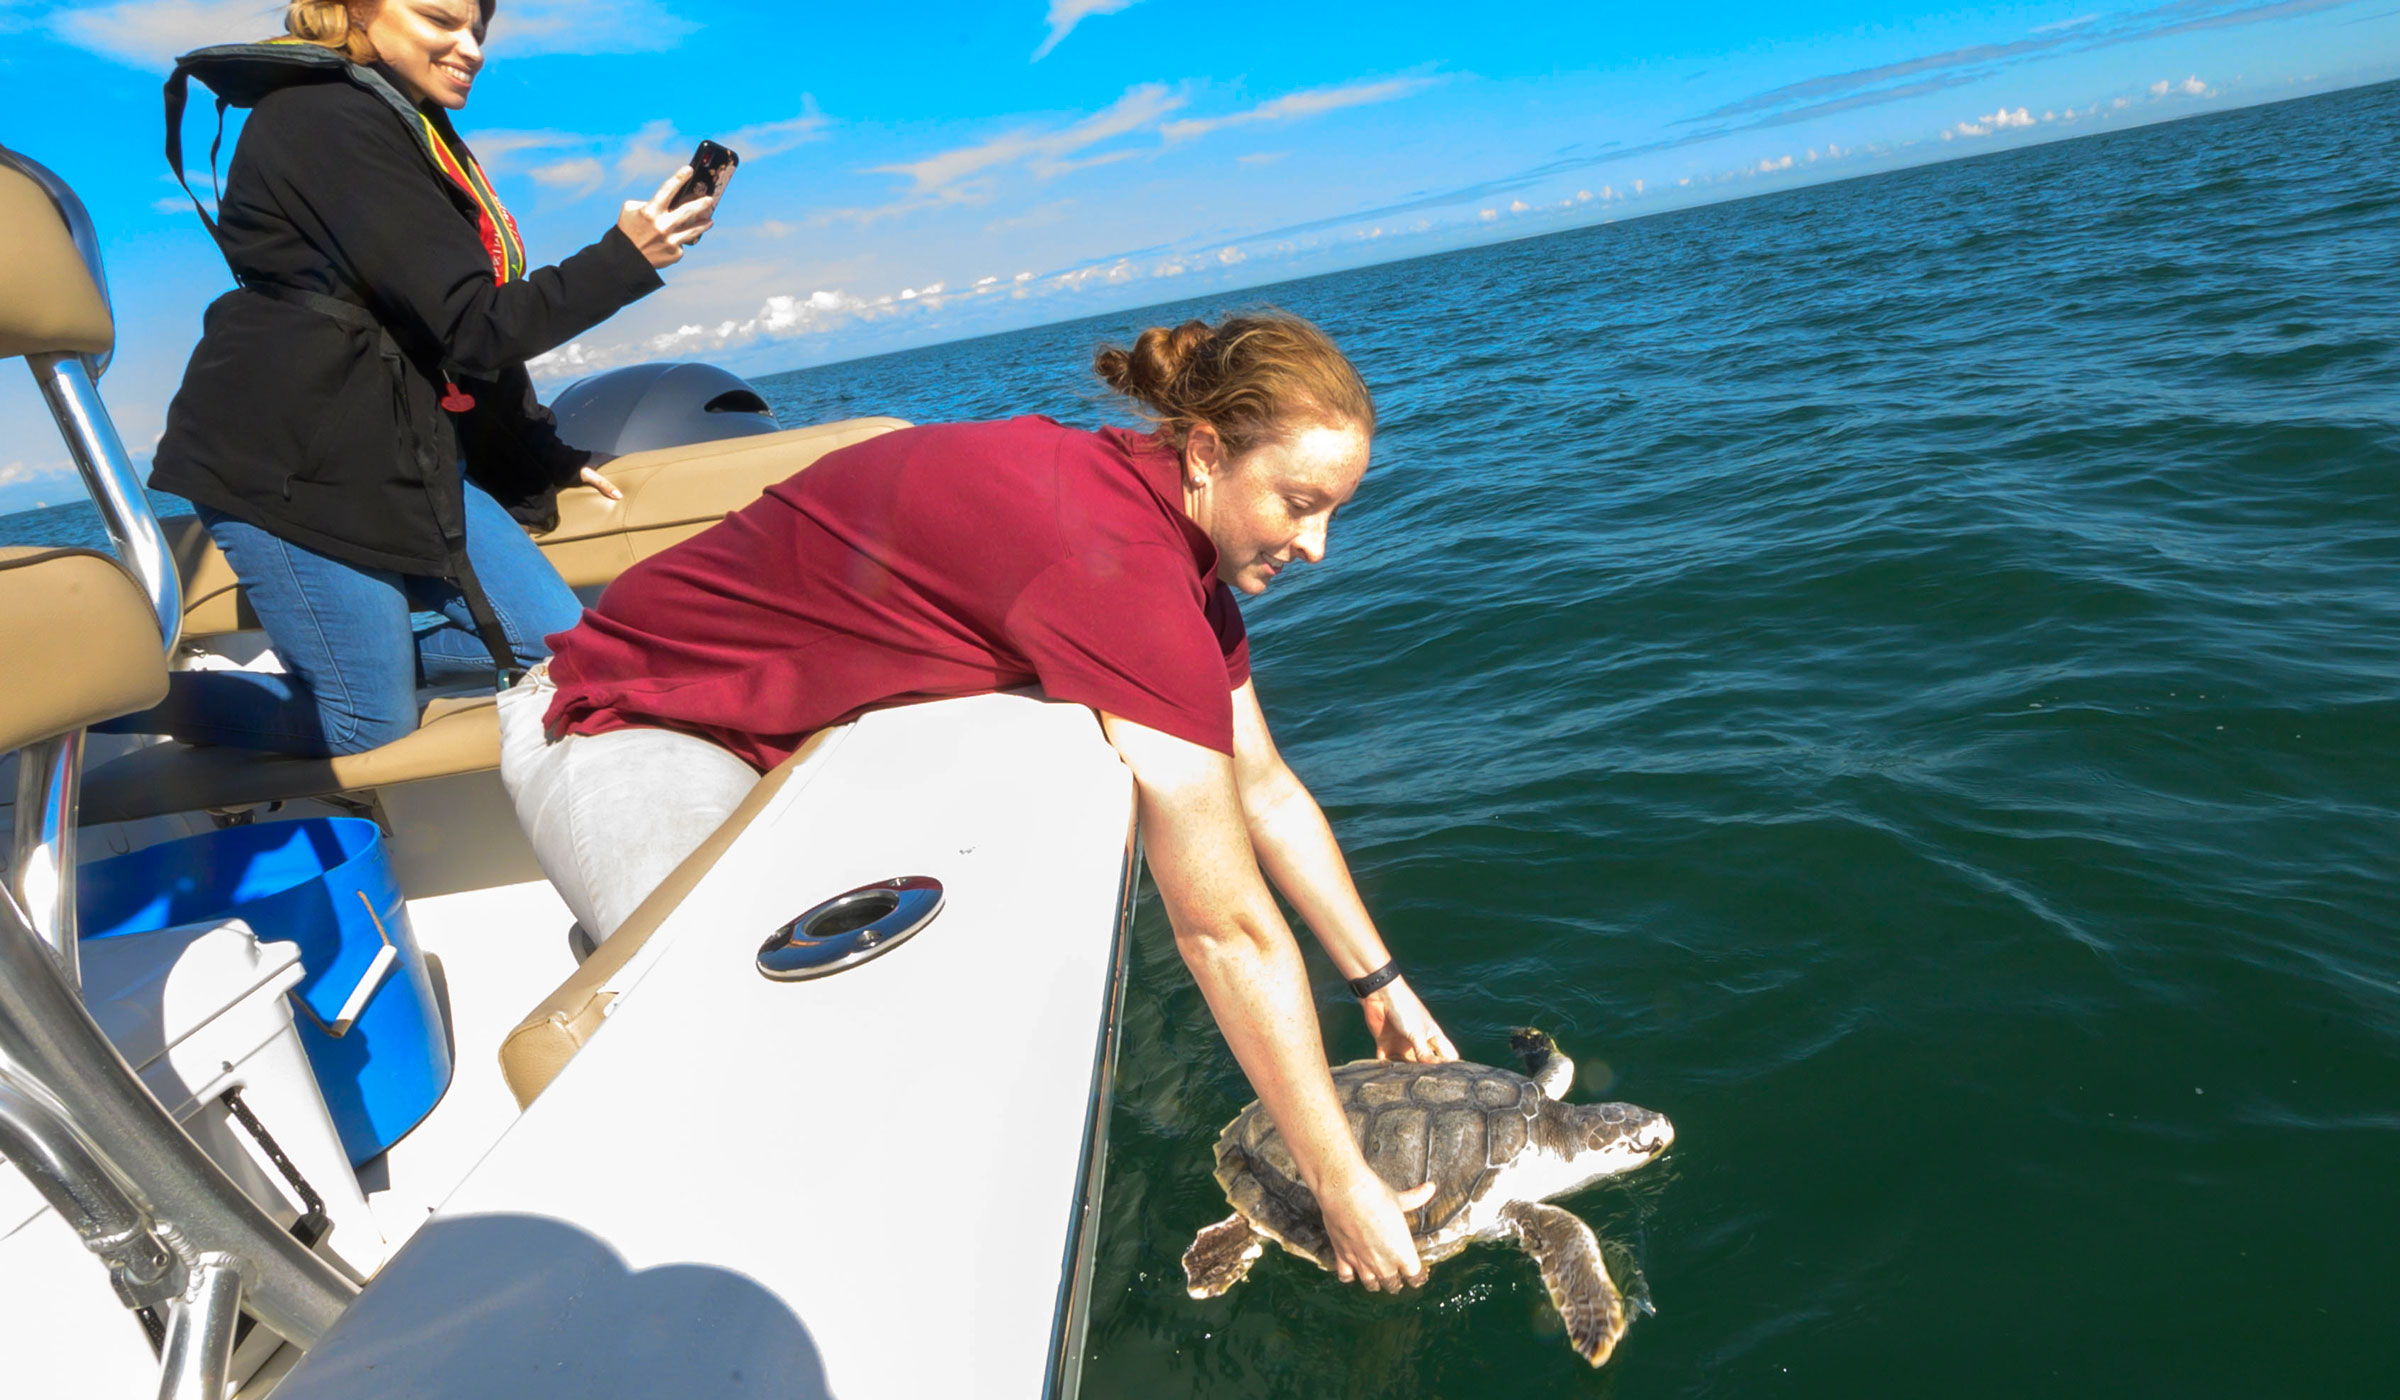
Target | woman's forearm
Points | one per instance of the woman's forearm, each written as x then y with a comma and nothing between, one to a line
1297,850
1257,988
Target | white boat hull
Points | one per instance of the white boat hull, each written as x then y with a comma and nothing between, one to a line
873,1184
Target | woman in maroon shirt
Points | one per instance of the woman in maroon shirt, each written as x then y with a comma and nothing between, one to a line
960,559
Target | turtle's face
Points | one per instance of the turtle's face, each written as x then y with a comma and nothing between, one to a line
1617,1137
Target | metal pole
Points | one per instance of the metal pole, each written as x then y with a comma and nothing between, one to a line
37,1135
198,1356
41,873
108,474
45,1030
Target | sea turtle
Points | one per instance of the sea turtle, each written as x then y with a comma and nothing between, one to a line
1496,1144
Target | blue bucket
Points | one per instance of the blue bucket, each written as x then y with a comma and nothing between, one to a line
367,1014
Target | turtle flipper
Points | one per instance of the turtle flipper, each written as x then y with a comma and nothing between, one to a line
1221,1256
1573,1272
1551,1071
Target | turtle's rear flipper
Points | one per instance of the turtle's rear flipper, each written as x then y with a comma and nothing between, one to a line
1573,1272
1221,1257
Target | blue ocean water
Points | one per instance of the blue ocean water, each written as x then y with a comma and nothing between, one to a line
1901,676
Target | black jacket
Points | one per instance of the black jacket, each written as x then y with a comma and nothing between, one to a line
304,426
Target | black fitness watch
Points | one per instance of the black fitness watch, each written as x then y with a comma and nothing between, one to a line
1373,982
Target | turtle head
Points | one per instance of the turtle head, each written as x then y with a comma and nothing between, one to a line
1617,1137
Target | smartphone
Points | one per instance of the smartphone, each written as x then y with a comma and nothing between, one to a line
712,165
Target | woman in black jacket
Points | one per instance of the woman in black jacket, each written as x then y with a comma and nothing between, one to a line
357,424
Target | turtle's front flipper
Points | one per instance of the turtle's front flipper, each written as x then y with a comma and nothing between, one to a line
1221,1257
1573,1272
1551,1071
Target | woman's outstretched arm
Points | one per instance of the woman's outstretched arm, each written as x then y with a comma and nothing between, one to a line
1295,844
345,171
1241,953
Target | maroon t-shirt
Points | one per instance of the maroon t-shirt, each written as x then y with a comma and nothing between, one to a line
920,565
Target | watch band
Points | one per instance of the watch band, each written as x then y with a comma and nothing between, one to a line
1375,981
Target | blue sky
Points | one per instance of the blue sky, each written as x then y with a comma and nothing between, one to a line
917,173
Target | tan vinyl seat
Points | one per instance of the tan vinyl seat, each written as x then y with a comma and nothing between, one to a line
456,735
48,302
540,1046
78,641
670,496
675,493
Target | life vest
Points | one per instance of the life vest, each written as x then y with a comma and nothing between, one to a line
241,74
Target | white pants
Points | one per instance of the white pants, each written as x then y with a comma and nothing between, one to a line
611,815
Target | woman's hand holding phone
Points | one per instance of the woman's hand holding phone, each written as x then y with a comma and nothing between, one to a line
662,232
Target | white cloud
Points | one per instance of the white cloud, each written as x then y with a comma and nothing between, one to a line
581,174
964,173
791,316
1292,106
582,164
20,473
1066,14
652,153
497,149
526,27
2001,120
774,138
152,33
2189,87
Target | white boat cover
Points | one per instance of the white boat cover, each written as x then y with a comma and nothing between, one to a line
867,1185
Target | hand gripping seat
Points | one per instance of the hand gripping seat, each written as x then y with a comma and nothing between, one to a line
670,495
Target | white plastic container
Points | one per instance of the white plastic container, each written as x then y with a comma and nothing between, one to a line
197,1011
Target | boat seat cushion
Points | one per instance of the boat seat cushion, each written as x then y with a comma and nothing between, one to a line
456,735
671,495
540,1046
48,302
78,641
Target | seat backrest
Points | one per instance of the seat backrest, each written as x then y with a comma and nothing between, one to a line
79,642
48,301
671,494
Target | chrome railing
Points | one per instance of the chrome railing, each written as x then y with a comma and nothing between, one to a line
74,1118
108,474
70,384
41,867
52,1041
196,1363
37,1134
42,857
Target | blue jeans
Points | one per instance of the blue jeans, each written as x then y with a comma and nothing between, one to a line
352,653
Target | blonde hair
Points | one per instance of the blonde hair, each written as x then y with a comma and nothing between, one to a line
341,25
334,24
1250,377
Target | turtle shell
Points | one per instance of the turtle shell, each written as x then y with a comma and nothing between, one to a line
1456,1125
